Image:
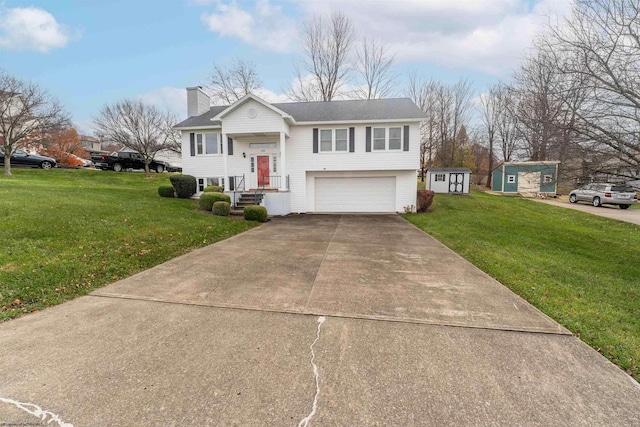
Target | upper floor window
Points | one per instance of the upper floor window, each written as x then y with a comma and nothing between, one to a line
391,140
207,143
334,140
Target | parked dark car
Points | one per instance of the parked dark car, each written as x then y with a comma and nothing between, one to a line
22,159
605,194
123,160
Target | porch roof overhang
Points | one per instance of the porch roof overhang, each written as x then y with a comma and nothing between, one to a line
236,135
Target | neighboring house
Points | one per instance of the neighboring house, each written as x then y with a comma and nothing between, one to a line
338,156
449,180
526,178
91,145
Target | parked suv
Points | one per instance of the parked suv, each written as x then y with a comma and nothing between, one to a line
605,194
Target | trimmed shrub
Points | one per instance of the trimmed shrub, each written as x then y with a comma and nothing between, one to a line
255,213
214,188
221,208
206,201
185,185
166,191
219,197
425,198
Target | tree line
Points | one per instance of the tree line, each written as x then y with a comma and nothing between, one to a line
575,98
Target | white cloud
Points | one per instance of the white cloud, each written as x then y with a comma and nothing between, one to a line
31,28
167,98
264,26
491,36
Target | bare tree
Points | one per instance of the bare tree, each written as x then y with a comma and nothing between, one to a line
138,126
507,126
326,46
26,112
422,92
490,110
229,84
599,46
374,67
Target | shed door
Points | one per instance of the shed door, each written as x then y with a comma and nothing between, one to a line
372,194
456,182
528,182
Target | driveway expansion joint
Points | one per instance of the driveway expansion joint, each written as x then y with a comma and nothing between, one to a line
374,318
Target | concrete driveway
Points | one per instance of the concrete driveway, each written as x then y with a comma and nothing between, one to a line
309,320
607,211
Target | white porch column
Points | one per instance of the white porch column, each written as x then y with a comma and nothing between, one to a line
225,160
283,162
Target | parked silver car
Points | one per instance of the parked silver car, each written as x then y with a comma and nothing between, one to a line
605,194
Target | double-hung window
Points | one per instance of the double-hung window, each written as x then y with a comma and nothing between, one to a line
207,143
387,139
334,140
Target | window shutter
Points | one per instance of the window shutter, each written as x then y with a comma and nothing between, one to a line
368,140
352,140
221,144
315,140
406,138
192,143
230,146
232,183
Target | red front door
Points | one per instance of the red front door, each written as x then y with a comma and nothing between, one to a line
263,171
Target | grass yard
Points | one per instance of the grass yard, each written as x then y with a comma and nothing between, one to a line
64,233
582,270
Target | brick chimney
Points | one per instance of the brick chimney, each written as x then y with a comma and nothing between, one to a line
198,102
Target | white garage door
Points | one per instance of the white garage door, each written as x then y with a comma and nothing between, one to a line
356,194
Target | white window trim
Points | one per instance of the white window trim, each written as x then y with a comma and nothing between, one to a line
333,141
547,179
387,134
511,179
204,144
442,175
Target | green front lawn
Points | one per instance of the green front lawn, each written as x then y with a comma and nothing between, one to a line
64,233
580,269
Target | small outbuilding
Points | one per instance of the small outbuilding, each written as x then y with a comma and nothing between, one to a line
526,178
449,180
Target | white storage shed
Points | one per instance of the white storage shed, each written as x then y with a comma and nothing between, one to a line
449,180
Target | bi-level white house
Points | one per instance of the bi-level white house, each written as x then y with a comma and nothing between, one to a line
337,156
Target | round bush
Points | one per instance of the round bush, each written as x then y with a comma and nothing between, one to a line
425,198
185,185
219,197
206,201
255,213
166,191
214,188
221,208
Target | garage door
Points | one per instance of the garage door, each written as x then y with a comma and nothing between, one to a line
355,194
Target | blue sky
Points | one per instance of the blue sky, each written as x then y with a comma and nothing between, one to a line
88,53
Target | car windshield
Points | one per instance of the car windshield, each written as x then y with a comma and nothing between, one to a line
623,189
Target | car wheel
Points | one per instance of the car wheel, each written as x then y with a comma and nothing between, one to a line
46,165
596,202
117,167
159,168
624,206
573,198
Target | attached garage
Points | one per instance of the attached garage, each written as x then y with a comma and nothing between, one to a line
355,194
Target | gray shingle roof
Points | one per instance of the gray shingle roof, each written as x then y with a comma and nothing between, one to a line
330,111
203,119
454,170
